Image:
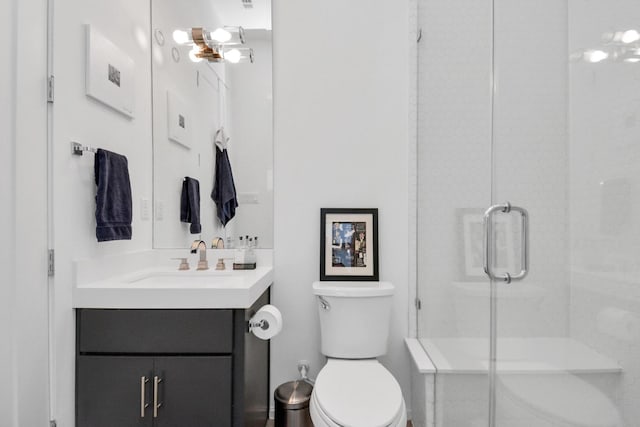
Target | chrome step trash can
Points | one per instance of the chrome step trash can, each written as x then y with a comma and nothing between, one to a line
292,404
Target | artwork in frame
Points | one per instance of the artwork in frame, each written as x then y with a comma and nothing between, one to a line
471,222
109,73
178,120
349,244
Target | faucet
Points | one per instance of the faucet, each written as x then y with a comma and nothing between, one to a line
202,246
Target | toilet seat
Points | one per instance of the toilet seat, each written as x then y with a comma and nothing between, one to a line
357,393
564,398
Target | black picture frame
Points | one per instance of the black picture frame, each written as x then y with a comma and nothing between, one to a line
349,244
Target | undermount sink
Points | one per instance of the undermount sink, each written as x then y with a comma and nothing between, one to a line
181,279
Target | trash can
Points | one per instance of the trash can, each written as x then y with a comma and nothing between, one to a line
292,404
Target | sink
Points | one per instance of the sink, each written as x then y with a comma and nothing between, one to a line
163,286
183,279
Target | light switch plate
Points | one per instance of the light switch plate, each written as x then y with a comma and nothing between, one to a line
144,209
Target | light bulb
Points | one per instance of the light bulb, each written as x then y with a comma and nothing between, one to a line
233,56
595,56
221,35
193,54
181,37
630,36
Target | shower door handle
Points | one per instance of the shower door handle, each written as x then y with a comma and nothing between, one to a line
488,242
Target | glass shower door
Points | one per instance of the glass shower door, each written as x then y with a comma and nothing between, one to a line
566,147
454,189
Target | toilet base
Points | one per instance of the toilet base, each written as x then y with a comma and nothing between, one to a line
321,420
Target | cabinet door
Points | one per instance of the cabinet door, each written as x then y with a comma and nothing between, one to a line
194,391
111,391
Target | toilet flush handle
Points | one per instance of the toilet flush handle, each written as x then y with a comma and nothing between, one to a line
324,304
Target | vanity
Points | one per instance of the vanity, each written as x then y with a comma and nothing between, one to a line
160,347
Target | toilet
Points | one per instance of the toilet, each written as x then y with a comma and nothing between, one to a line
353,389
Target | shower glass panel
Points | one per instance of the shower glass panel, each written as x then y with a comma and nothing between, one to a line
536,103
454,189
566,147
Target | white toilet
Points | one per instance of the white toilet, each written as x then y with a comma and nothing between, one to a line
353,389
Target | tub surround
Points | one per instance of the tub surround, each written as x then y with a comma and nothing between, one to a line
456,369
151,279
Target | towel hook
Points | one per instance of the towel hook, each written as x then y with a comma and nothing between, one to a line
78,149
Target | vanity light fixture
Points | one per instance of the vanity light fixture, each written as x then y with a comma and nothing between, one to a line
238,55
211,45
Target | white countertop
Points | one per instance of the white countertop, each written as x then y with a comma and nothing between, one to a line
161,285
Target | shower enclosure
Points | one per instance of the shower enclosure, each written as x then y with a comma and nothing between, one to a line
529,173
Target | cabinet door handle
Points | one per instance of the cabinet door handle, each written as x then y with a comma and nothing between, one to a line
156,381
143,404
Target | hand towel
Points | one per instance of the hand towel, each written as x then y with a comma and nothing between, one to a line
113,196
224,190
190,204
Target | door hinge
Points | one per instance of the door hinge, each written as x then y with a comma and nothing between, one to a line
52,262
53,423
50,89
418,304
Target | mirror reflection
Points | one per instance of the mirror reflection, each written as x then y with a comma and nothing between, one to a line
212,122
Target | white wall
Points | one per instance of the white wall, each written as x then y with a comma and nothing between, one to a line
23,219
77,117
341,138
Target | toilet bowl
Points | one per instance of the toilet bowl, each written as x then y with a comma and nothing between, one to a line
356,393
353,389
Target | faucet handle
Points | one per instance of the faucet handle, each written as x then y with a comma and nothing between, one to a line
221,265
217,243
184,264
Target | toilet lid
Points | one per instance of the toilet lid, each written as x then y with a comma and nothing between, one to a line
563,397
357,393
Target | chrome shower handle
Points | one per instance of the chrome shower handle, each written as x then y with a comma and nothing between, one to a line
488,246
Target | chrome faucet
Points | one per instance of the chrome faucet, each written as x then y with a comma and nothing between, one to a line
202,247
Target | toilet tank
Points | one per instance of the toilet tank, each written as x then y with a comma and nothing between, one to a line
354,318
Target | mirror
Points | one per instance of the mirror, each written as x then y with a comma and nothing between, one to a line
191,102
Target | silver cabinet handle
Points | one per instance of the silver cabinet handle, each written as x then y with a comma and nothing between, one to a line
156,380
488,243
143,404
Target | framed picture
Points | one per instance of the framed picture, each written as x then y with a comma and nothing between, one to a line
178,120
349,244
109,73
471,222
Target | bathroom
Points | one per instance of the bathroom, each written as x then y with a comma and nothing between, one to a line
530,102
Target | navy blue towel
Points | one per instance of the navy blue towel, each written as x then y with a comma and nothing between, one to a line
113,196
224,190
190,204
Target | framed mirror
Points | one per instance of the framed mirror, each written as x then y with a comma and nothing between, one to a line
192,101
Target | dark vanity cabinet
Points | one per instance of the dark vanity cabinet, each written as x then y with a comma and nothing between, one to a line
171,368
